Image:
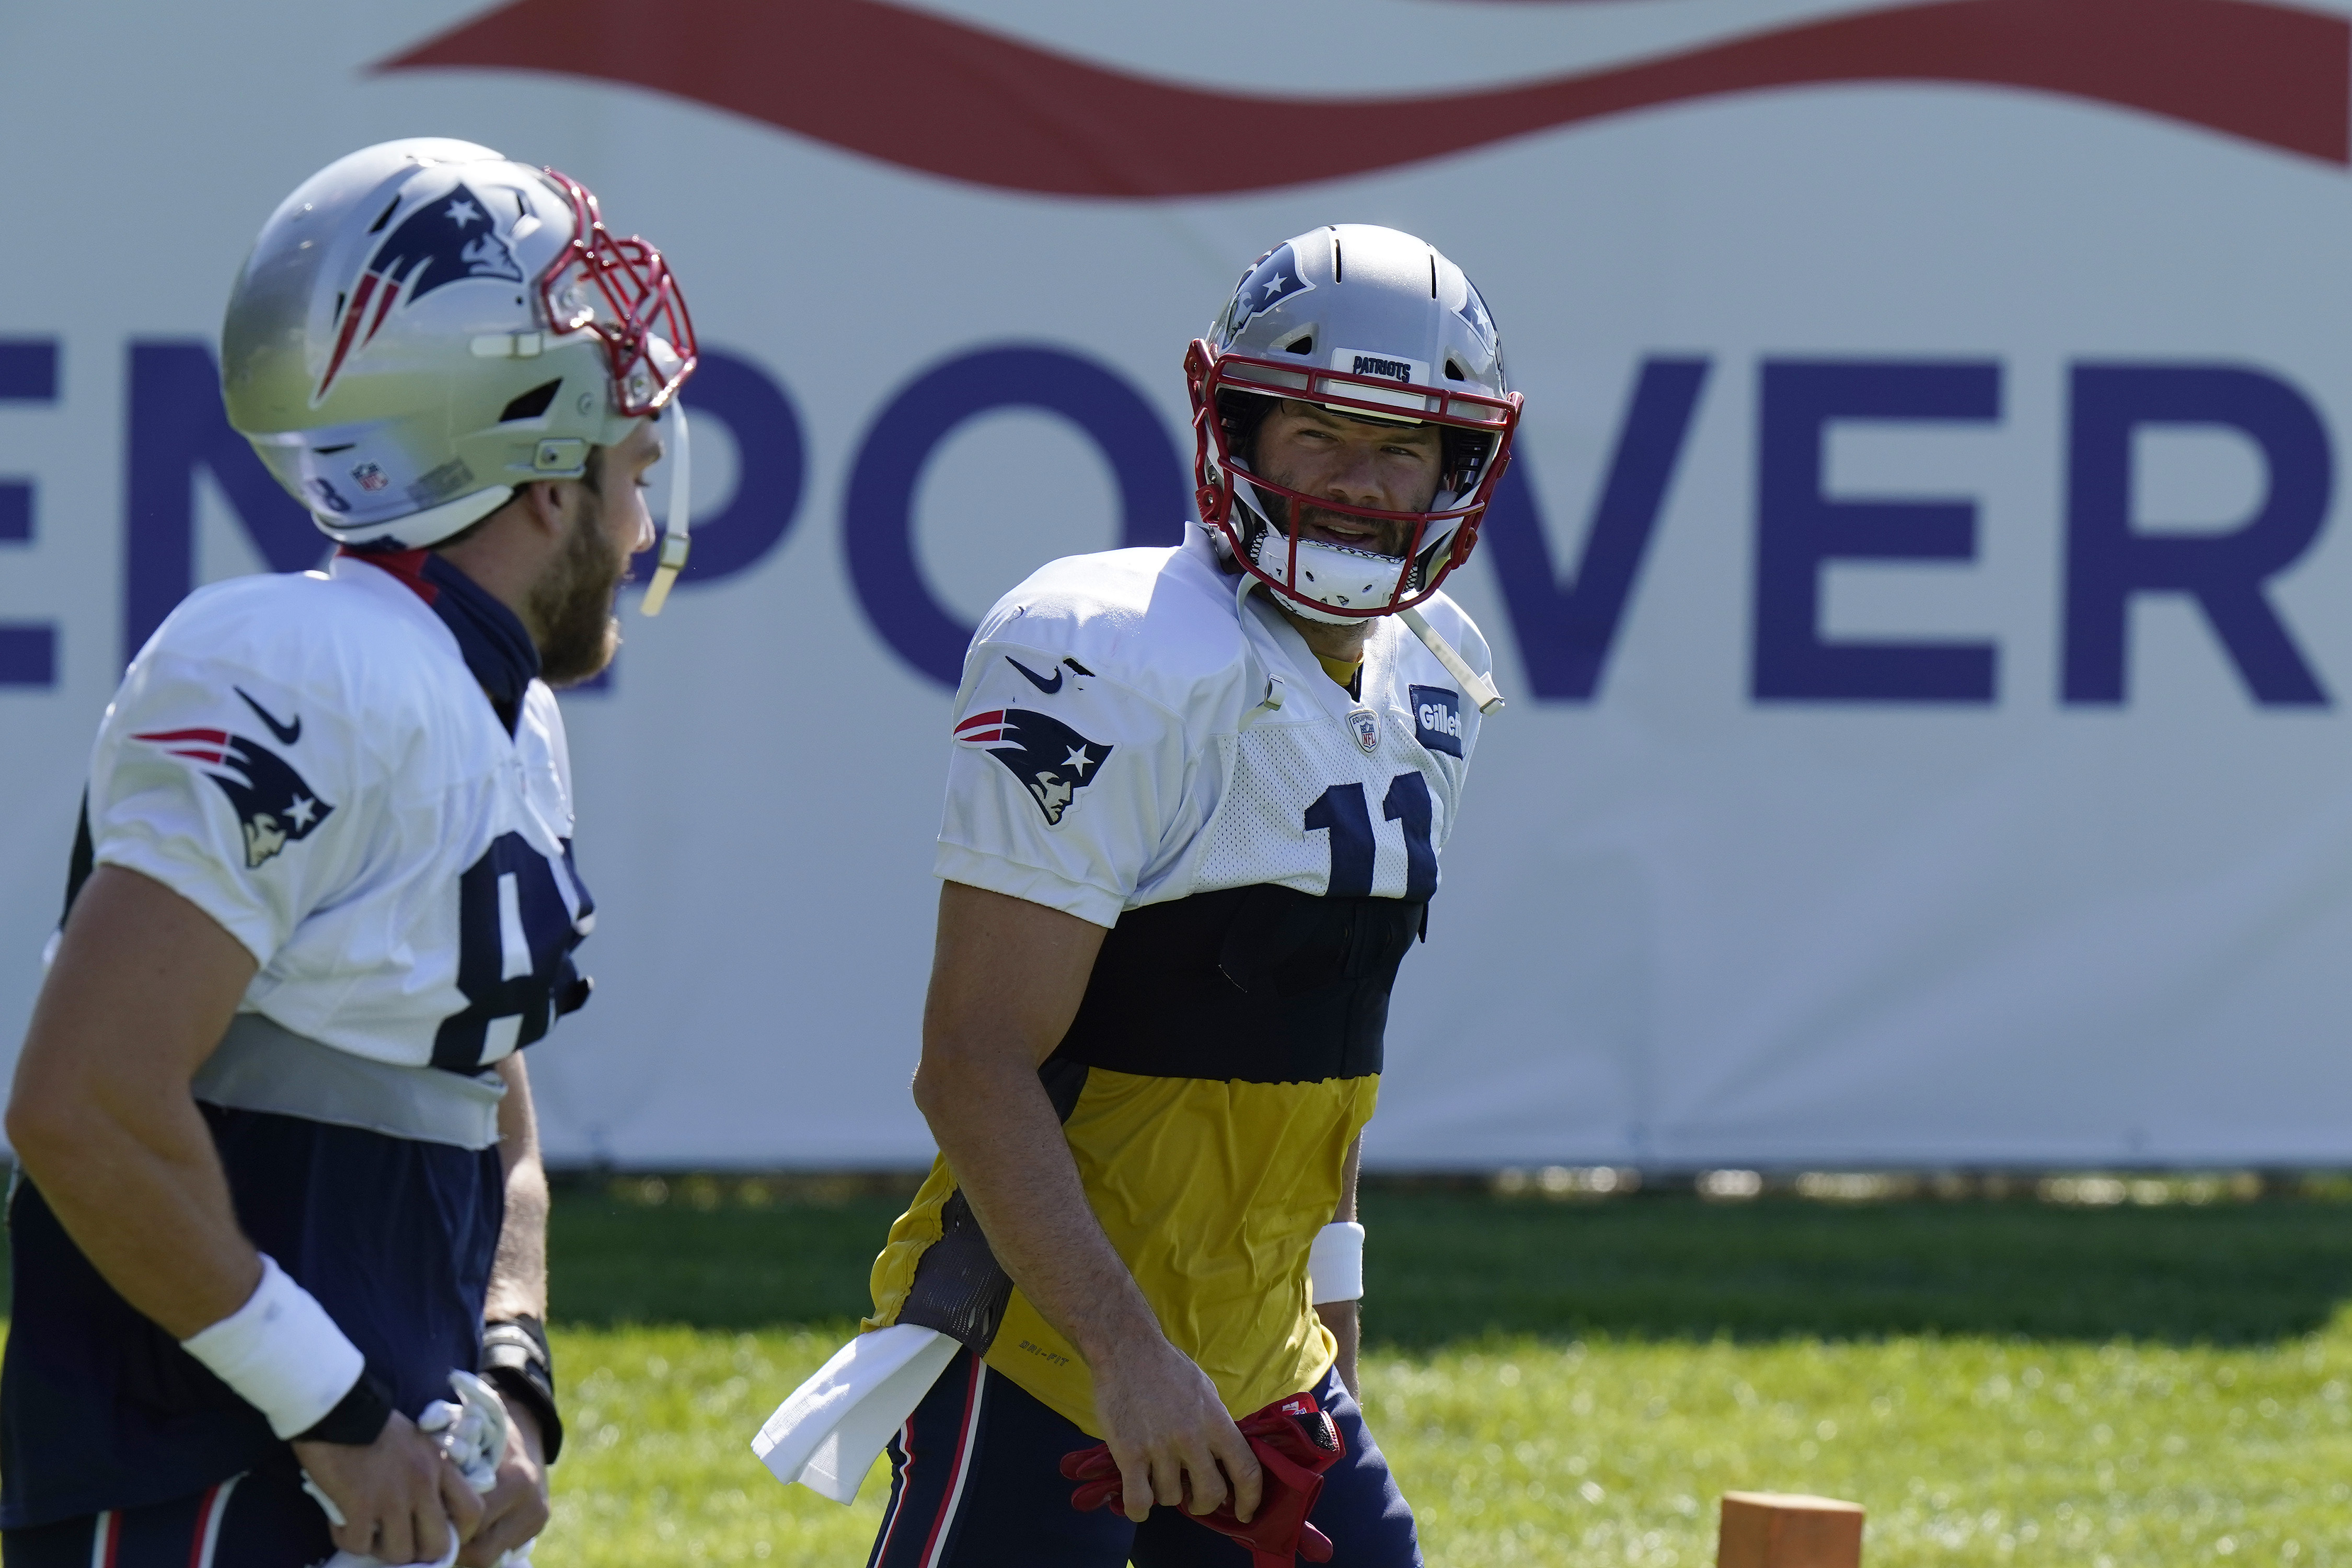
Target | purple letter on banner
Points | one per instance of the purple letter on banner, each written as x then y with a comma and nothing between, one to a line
879,510
2109,561
178,426
1565,633
29,650
1799,530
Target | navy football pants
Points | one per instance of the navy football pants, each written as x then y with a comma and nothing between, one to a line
976,1482
262,1519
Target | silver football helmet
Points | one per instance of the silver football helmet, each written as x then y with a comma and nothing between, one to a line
424,325
1375,324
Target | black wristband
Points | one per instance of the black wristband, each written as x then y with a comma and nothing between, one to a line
518,1364
357,1416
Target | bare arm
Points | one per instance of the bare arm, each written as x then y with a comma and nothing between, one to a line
518,1274
1341,1317
1007,977
515,1510
143,986
142,989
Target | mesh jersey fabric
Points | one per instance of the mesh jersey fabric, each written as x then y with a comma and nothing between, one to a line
1130,735
308,760
1114,744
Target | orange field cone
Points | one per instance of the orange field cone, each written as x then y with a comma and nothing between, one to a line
1781,1530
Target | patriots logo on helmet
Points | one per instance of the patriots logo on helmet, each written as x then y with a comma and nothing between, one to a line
273,806
446,240
1472,310
1274,280
1052,761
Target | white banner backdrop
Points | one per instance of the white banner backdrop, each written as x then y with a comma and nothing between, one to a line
1920,595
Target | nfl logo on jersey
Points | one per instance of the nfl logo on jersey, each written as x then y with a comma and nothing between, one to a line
1365,725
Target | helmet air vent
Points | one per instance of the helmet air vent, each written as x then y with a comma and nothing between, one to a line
1302,344
1454,370
385,217
1433,275
1338,271
531,404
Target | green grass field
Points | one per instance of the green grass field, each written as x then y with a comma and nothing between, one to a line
1998,1383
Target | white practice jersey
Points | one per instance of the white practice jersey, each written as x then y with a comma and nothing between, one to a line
308,760
1128,733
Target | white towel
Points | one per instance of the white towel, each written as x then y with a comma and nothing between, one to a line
826,1435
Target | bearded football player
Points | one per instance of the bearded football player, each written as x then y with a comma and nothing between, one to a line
280,1242
1193,826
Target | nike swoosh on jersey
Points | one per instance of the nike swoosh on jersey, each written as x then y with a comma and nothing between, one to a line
1035,679
286,733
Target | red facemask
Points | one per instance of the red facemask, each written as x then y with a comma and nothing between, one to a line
624,292
1211,371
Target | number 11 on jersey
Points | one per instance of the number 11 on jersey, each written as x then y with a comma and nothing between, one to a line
1341,810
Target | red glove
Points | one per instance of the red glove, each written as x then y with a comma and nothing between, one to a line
1294,1441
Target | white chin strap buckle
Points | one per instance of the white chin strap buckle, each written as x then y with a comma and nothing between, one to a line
675,541
1474,686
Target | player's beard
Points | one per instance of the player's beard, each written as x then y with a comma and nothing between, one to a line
571,604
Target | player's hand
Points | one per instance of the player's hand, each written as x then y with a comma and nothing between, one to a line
515,1509
400,1496
1171,1436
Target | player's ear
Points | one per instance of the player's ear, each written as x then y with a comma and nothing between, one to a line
548,503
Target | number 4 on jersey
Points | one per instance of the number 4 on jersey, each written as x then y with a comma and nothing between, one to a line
1341,810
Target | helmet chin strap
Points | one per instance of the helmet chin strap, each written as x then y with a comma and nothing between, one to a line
675,539
1247,496
1474,686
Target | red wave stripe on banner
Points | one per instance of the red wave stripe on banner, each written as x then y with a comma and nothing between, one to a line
927,94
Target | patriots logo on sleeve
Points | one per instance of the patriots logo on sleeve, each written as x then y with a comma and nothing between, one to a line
274,806
446,240
1052,761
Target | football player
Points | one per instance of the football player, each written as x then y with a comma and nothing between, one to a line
1193,826
279,1177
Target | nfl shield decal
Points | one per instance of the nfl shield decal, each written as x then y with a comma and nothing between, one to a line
1365,725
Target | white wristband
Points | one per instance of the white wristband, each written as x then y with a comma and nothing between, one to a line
283,1352
1334,1264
